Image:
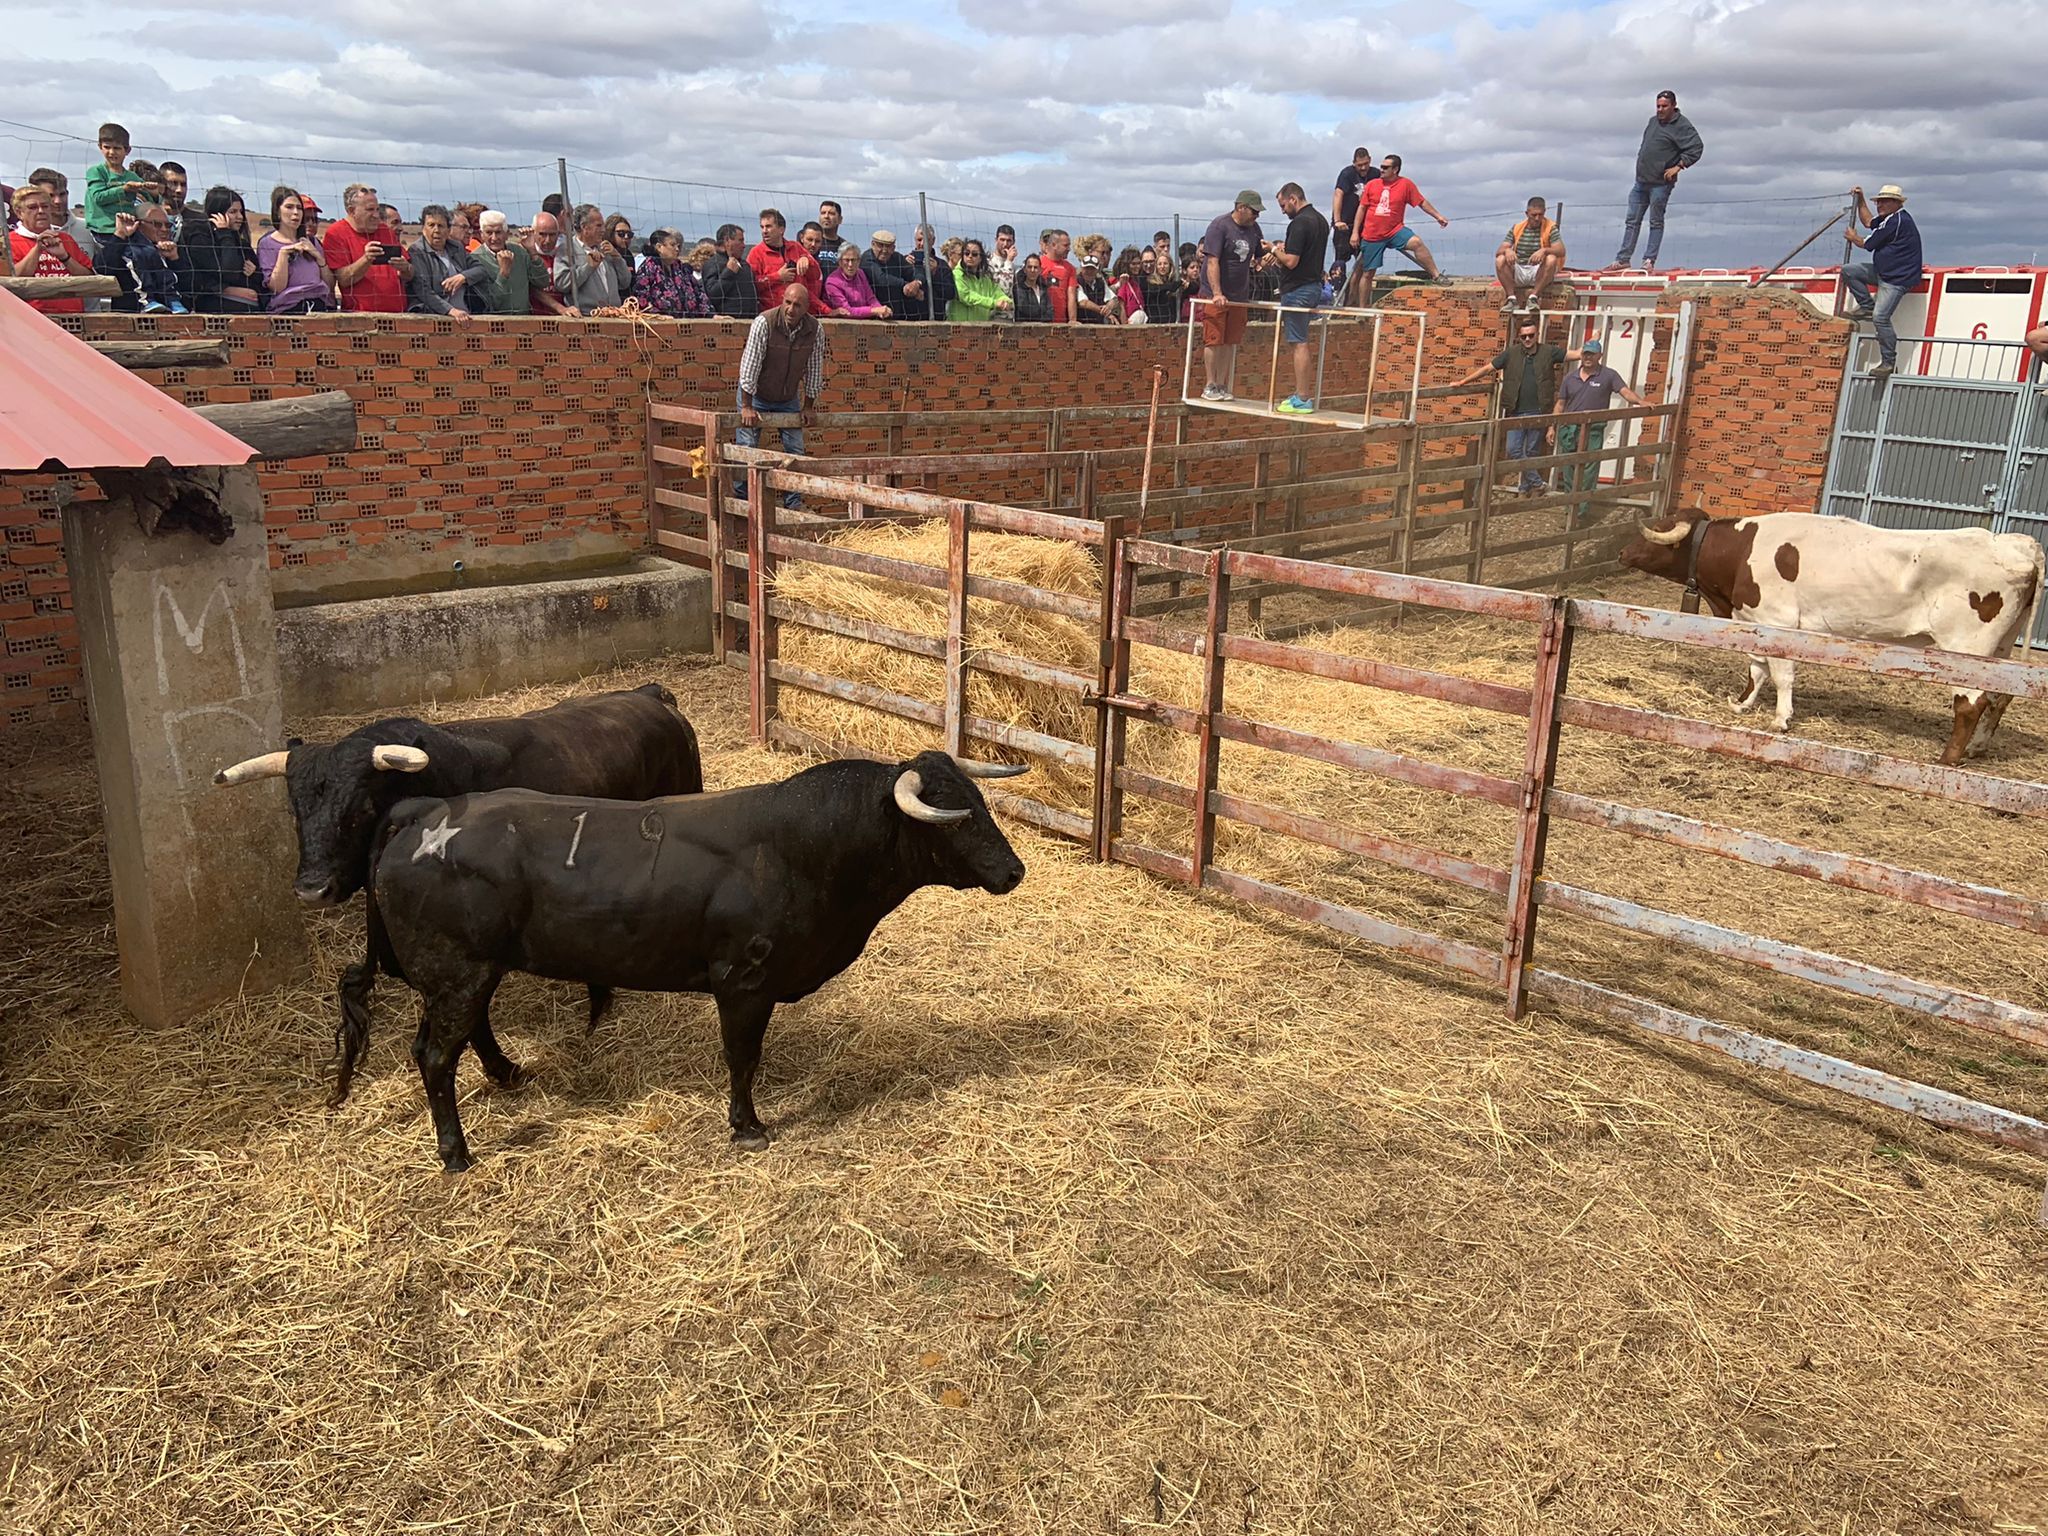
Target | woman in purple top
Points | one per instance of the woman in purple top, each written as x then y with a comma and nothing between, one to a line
667,284
292,265
849,292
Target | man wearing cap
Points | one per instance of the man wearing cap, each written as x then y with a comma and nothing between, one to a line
1670,144
1591,386
782,373
1893,245
1230,246
890,275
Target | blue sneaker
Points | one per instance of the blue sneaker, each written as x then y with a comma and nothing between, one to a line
179,309
1294,405
153,308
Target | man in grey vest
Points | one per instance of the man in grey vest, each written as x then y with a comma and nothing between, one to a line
1670,144
782,373
1528,371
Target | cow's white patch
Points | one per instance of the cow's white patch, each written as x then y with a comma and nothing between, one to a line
435,841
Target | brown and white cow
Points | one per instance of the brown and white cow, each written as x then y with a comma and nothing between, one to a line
1959,589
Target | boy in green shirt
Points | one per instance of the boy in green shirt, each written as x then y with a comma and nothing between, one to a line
110,193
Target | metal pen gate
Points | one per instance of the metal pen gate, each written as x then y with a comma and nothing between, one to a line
1965,446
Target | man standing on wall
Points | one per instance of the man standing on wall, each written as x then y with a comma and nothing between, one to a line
1528,373
1383,225
1352,183
1299,260
1893,245
1591,386
1232,243
1670,144
782,373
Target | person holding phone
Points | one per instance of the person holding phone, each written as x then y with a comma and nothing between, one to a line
362,251
294,267
215,251
41,249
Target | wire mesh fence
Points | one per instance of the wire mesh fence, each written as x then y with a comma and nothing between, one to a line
1698,232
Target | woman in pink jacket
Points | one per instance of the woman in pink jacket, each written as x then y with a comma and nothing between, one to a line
849,292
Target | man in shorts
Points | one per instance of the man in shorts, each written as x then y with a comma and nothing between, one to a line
1299,262
1528,259
1382,225
1231,247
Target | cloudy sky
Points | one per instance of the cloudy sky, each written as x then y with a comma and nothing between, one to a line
1109,113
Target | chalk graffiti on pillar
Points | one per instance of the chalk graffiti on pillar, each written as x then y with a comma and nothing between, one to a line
194,633
175,718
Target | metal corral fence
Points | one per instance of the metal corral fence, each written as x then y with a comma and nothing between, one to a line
1417,497
775,537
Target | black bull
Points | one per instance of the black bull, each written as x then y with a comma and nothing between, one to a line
630,745
756,896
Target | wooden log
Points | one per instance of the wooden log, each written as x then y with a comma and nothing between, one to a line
290,429
191,352
61,287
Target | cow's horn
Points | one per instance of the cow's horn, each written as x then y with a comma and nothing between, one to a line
975,770
1667,536
908,787
269,766
398,759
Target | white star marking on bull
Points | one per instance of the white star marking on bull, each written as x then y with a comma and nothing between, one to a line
435,840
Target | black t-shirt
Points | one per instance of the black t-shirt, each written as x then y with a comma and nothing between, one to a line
1351,184
1308,237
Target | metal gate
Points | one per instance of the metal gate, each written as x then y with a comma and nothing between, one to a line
1962,447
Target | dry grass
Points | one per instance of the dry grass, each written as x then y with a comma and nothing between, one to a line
1095,1208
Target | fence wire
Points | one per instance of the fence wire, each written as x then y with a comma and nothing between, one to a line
1698,233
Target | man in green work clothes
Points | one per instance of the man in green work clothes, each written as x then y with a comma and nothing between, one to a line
1591,386
1528,370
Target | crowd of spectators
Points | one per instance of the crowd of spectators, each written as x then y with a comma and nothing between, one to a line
138,223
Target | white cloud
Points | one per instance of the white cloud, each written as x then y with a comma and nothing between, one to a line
1145,105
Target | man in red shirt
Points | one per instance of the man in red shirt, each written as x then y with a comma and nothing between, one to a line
1381,225
777,263
1059,273
368,263
40,249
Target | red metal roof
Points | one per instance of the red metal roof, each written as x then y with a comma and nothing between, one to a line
85,412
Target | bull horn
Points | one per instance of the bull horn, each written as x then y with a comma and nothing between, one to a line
909,785
1667,536
975,770
269,766
398,759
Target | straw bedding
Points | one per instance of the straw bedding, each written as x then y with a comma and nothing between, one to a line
1095,1208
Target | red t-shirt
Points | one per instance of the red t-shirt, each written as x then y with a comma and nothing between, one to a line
26,247
1388,206
380,288
1060,291
768,281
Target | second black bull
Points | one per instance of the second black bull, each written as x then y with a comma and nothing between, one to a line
634,744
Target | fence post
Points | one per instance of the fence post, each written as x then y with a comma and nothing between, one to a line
1482,509
1408,460
562,177
1539,770
1113,726
956,631
760,575
1210,749
1262,474
1055,436
1115,529
724,631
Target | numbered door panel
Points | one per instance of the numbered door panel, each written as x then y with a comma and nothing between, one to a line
1976,308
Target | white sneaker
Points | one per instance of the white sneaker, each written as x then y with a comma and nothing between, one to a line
1213,392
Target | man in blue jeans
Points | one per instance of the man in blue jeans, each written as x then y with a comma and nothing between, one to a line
1528,389
1299,259
782,372
1670,144
1894,247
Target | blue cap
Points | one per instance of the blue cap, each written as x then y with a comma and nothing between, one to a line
1592,346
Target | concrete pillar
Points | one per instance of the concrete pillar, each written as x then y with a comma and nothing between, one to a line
179,642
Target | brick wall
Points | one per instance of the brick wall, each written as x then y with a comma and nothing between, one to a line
519,446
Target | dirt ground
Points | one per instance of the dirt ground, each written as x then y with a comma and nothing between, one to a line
1096,1207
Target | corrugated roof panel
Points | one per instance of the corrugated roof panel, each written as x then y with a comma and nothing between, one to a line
85,412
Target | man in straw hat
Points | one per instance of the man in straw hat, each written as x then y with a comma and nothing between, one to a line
1893,245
